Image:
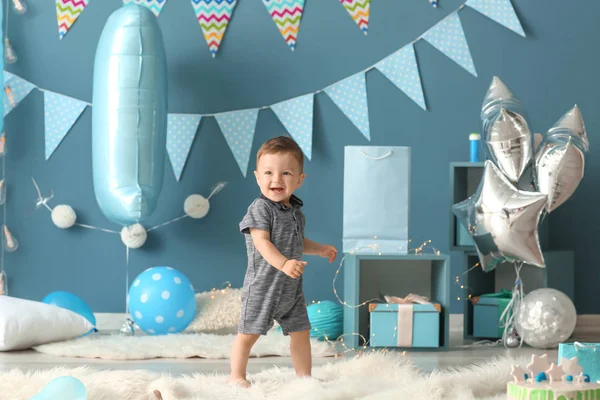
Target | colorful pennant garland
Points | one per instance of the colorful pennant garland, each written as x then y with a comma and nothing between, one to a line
286,14
213,16
297,117
181,131
448,37
500,11
15,90
67,12
60,114
359,10
155,6
401,68
238,130
350,95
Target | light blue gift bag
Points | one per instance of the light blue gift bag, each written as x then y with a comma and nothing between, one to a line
588,357
376,199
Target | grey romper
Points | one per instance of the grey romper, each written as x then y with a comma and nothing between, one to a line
268,293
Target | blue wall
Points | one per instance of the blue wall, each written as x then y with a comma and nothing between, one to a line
550,70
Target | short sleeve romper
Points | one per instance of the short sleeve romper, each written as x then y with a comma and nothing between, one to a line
268,293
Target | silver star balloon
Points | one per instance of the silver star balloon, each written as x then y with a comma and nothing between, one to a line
510,143
559,170
571,126
502,221
499,96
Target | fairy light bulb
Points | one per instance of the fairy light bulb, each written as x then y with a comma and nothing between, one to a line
10,96
10,56
3,284
2,144
10,242
19,6
2,192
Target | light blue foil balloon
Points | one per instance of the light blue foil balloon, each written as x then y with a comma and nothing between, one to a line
63,388
129,120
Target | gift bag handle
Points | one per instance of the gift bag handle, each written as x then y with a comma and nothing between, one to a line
386,155
578,345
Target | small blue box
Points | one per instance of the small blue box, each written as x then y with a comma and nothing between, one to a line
384,325
486,316
588,356
463,238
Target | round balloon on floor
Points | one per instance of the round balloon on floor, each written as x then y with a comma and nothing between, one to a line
162,301
71,302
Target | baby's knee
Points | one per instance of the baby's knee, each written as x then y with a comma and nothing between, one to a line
247,339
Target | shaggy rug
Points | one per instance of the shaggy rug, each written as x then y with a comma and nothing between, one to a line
116,347
369,377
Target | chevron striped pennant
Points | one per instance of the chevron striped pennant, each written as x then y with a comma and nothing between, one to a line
155,5
213,16
286,14
67,12
359,10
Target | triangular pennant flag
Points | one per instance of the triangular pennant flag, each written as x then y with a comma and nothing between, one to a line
297,117
500,11
181,131
67,12
60,113
15,90
155,5
350,95
213,16
238,129
286,14
401,68
448,37
359,10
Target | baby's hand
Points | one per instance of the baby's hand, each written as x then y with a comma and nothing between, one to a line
294,268
328,251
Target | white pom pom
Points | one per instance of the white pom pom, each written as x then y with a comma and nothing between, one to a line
134,236
63,216
196,206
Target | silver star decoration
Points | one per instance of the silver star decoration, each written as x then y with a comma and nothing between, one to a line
502,220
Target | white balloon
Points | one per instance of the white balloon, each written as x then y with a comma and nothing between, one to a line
63,216
134,236
196,206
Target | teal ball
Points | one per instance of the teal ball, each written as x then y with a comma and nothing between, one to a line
326,319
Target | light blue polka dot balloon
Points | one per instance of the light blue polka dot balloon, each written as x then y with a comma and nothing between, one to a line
162,301
64,388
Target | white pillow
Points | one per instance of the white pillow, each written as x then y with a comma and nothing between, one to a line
25,323
217,312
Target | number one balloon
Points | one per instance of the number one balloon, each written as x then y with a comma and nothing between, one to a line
129,122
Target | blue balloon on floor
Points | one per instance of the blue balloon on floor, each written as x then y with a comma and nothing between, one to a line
71,302
64,388
162,300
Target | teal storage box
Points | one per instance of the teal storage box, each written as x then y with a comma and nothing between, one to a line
384,325
463,238
588,356
487,310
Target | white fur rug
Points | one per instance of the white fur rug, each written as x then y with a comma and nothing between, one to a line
115,347
371,377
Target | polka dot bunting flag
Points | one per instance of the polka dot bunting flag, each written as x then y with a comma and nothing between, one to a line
350,95
448,37
181,131
60,113
500,11
238,129
297,117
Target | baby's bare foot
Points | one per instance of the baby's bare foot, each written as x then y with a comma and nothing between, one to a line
241,382
158,395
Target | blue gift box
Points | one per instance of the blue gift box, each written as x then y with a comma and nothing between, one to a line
588,356
425,325
486,315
